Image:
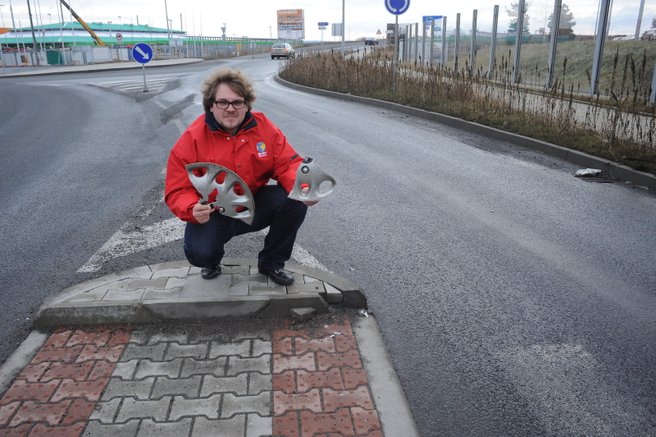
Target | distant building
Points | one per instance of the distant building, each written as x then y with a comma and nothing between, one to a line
73,33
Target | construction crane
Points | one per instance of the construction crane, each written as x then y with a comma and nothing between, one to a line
95,37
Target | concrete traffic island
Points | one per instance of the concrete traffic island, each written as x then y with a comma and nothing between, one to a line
175,291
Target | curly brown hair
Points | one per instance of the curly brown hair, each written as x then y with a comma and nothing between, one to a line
235,79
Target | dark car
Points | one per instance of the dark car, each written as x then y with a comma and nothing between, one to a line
282,50
370,42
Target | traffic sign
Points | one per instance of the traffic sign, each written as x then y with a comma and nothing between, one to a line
119,36
397,7
142,53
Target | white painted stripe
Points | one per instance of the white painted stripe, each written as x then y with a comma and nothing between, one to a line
304,257
125,243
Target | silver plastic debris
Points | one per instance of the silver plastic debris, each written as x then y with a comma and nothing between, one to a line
312,183
588,172
204,177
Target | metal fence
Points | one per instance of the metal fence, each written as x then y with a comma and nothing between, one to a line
604,66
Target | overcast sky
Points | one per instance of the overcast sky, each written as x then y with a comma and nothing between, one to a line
257,18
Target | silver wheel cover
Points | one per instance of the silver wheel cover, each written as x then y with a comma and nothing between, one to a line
227,200
312,183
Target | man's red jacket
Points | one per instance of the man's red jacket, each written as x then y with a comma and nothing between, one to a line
258,152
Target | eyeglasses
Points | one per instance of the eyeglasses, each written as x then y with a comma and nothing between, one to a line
223,104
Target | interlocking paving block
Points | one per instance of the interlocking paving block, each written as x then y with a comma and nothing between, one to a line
153,352
188,387
124,295
168,295
228,427
232,404
236,384
208,407
97,429
149,428
215,367
142,409
241,348
215,289
147,368
118,388
104,412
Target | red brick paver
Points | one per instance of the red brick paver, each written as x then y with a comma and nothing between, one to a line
55,393
319,385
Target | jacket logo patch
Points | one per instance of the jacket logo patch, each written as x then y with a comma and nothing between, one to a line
261,149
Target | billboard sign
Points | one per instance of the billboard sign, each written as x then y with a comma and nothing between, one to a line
291,24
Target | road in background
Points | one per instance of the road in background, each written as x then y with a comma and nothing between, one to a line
515,298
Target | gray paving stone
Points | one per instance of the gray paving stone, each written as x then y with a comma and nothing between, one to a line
257,383
153,352
241,348
153,334
237,384
173,293
158,368
260,290
238,365
149,428
188,387
175,283
233,427
97,429
118,388
157,283
260,404
257,426
208,407
192,366
105,412
123,295
137,409
176,350
261,347
125,370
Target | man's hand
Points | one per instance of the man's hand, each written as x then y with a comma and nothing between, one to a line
201,212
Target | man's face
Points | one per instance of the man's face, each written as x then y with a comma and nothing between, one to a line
230,117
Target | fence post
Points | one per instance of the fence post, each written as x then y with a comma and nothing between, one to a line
444,46
521,10
416,42
457,48
432,42
652,97
555,30
493,46
472,52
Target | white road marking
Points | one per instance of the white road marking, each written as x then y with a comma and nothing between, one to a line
124,243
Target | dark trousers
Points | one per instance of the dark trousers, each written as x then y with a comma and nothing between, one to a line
203,244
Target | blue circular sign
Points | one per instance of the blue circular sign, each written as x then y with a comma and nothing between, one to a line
397,7
142,53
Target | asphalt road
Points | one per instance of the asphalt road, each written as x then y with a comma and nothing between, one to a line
515,299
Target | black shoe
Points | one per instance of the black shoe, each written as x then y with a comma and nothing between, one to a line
279,276
210,272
